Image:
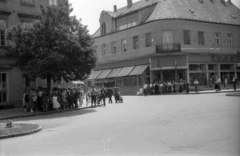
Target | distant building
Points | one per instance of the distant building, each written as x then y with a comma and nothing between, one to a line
157,40
12,12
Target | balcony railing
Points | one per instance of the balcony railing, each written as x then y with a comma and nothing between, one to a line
168,47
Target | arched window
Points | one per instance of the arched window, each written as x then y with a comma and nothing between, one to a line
103,29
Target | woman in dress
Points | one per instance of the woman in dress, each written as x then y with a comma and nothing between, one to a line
56,104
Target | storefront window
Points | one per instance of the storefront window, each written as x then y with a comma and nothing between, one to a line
201,77
210,67
140,81
225,66
197,67
134,81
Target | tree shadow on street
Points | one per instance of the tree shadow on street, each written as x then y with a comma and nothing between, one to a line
54,115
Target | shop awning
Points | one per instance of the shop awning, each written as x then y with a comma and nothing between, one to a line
138,70
125,71
95,74
114,72
104,74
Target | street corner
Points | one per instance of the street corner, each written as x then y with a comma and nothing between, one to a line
10,130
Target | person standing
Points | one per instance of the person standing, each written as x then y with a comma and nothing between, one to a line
93,93
81,96
234,81
75,98
145,87
225,81
56,104
219,83
116,92
103,93
45,101
196,83
110,94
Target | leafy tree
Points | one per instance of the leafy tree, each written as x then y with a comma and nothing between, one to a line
53,47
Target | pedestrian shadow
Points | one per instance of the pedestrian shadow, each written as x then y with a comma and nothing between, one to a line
61,114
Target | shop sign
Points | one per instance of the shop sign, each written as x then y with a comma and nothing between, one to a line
218,58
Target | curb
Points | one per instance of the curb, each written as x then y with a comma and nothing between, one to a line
47,113
232,94
22,134
216,92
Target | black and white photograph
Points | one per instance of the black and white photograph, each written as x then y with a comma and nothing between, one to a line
119,77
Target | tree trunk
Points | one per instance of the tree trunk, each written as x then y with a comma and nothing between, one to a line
48,83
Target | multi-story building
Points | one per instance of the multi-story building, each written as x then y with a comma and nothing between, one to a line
12,12
167,40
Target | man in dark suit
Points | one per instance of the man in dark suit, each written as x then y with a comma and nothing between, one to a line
103,93
110,94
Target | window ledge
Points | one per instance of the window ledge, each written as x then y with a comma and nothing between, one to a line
28,4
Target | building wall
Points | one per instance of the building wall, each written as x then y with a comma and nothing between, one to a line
177,27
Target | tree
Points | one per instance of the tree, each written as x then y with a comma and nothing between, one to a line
53,47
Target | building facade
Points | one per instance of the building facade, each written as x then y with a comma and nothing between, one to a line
12,12
153,40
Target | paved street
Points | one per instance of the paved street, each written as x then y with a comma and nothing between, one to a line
204,124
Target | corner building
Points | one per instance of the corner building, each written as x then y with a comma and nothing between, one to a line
153,40
12,81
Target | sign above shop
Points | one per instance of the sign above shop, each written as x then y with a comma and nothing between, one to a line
221,58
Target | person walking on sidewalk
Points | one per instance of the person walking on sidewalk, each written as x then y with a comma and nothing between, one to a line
234,81
56,104
103,93
116,92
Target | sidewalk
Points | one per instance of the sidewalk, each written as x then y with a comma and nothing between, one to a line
18,112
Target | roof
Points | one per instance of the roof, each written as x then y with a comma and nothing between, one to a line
200,10
216,12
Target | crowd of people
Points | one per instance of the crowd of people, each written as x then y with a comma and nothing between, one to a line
215,82
165,87
67,98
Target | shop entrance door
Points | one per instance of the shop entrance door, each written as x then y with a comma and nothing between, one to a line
3,87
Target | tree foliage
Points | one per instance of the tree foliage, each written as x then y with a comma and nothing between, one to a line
55,46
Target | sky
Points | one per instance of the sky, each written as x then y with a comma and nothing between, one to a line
89,10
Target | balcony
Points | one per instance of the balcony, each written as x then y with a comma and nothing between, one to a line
168,47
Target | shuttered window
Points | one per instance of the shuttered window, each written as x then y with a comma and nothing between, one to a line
201,38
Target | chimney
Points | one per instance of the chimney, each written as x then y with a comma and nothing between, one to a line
129,3
115,8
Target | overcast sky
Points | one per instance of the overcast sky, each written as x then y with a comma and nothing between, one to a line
89,10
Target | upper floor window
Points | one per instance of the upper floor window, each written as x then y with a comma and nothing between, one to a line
103,49
124,45
135,42
201,38
229,39
114,48
103,29
127,21
148,39
186,37
217,38
27,1
2,33
53,2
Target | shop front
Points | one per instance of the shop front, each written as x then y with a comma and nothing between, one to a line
169,68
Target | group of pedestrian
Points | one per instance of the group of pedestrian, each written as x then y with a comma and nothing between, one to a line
97,94
38,99
164,87
215,82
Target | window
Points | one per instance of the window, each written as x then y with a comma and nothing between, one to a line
27,1
217,38
186,37
201,38
229,39
53,2
2,33
124,45
3,87
114,48
210,67
135,42
128,21
148,39
103,27
225,66
103,49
